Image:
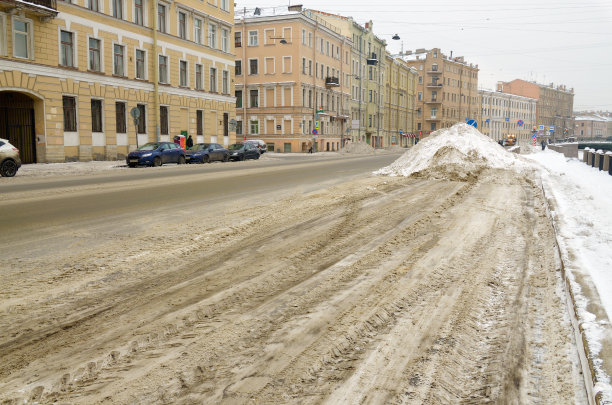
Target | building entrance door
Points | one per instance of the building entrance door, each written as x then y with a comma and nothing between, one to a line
17,124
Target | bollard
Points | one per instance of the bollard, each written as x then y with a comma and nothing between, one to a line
608,162
600,159
592,158
585,155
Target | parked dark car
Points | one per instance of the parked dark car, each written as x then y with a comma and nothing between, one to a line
206,153
261,145
243,151
156,154
9,159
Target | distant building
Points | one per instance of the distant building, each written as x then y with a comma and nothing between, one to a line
554,107
71,72
400,102
591,127
447,90
292,79
504,114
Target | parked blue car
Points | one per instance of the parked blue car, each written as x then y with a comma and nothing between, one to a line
156,154
243,151
206,153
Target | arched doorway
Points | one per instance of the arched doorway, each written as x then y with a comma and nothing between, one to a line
17,123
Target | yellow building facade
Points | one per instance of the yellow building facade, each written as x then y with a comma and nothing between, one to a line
400,102
72,75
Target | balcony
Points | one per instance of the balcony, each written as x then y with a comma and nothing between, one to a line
332,82
432,118
434,85
433,101
42,8
434,71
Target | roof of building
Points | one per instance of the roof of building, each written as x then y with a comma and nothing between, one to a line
592,118
421,54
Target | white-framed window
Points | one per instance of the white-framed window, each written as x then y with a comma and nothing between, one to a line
197,30
254,98
94,54
224,5
253,38
253,66
67,45
213,80
225,82
162,11
3,47
212,36
224,39
139,12
183,73
287,64
93,5
268,34
254,127
163,69
182,24
199,77
303,37
119,60
141,64
118,9
269,63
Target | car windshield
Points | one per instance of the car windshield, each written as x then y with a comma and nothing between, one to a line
201,146
149,146
236,146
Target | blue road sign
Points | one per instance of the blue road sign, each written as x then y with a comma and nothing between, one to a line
534,135
507,119
520,123
314,132
472,123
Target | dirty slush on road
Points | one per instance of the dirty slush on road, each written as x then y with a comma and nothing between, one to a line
433,282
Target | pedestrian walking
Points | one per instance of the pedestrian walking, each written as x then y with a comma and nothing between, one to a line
543,144
189,142
310,150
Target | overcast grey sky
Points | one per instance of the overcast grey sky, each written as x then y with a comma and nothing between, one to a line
564,42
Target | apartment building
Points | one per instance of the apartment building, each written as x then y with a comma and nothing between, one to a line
447,89
400,101
292,79
591,127
367,80
505,114
72,73
555,105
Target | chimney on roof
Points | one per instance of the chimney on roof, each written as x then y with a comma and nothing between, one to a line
257,11
296,7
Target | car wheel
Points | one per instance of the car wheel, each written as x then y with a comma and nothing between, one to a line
157,161
132,165
181,160
226,158
205,159
8,168
242,158
257,157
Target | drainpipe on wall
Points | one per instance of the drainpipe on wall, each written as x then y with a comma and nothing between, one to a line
156,70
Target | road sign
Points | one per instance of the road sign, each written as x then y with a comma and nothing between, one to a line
472,123
520,123
540,127
507,119
551,128
316,124
314,132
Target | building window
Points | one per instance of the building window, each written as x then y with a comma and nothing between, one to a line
67,49
96,115
161,18
254,98
253,66
118,9
183,73
142,119
182,25
140,64
224,40
225,82
118,65
238,94
238,127
120,122
253,38
70,120
94,55
238,68
199,122
163,69
254,126
22,38
93,5
225,5
238,39
212,36
213,80
197,30
163,120
198,77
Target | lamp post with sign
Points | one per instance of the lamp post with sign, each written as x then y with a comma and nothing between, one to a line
135,113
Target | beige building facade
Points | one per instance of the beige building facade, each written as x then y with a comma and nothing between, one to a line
400,101
447,90
506,114
292,80
591,127
71,73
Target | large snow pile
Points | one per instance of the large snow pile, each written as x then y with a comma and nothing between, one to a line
358,148
456,153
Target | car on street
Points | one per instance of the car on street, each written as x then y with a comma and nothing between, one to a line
156,154
243,151
261,145
206,153
9,159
